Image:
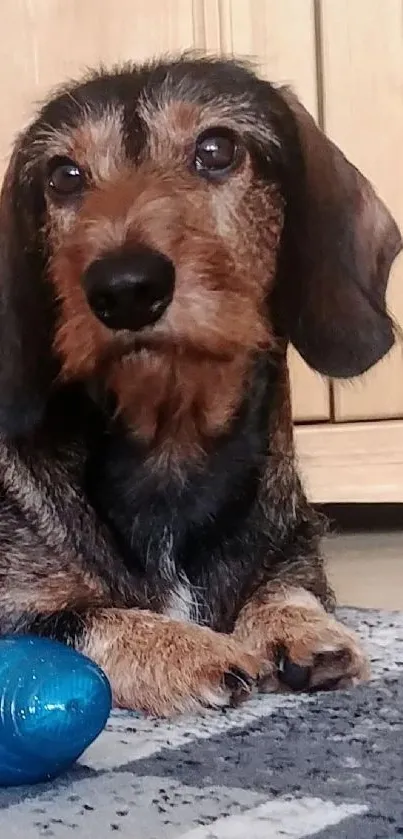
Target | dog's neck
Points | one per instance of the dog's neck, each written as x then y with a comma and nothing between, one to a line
175,405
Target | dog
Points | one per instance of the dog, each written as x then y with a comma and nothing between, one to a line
166,230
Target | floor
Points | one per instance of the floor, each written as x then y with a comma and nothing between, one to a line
366,569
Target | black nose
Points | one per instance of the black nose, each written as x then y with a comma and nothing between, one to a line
130,290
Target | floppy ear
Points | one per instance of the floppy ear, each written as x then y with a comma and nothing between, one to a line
339,244
26,362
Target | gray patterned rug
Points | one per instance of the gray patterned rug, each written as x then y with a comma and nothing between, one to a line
329,766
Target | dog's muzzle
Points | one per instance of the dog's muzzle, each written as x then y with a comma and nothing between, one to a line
130,290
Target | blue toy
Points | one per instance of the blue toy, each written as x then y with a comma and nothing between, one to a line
53,703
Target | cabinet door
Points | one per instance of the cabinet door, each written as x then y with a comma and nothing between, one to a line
44,42
362,49
280,37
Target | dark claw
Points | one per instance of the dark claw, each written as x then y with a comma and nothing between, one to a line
239,683
295,676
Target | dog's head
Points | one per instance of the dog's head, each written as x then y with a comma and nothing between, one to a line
184,207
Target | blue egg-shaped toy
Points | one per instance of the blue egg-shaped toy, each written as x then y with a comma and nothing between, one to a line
53,703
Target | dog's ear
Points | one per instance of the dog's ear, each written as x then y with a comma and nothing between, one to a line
339,244
26,363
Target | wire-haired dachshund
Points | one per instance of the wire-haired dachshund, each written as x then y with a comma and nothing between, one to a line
165,231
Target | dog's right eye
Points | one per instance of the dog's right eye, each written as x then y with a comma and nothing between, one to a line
217,153
64,178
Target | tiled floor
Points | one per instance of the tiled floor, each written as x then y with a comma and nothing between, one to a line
366,569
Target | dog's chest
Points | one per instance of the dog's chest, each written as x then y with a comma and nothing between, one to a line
149,520
159,556
172,528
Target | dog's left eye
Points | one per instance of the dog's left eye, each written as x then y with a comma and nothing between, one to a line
65,177
218,151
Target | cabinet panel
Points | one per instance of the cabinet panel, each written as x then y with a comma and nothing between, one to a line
363,110
310,395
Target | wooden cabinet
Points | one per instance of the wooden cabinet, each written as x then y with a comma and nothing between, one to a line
345,60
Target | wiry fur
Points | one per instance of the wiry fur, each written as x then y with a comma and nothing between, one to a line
149,477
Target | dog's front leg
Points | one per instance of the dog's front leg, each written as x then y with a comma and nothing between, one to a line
303,647
155,664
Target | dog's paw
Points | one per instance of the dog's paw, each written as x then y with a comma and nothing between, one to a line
225,678
199,669
301,647
164,667
314,652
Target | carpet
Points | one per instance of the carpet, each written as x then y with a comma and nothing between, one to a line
329,765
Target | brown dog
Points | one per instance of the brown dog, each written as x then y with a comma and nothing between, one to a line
165,231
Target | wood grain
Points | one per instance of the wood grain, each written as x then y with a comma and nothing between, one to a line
352,462
363,111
